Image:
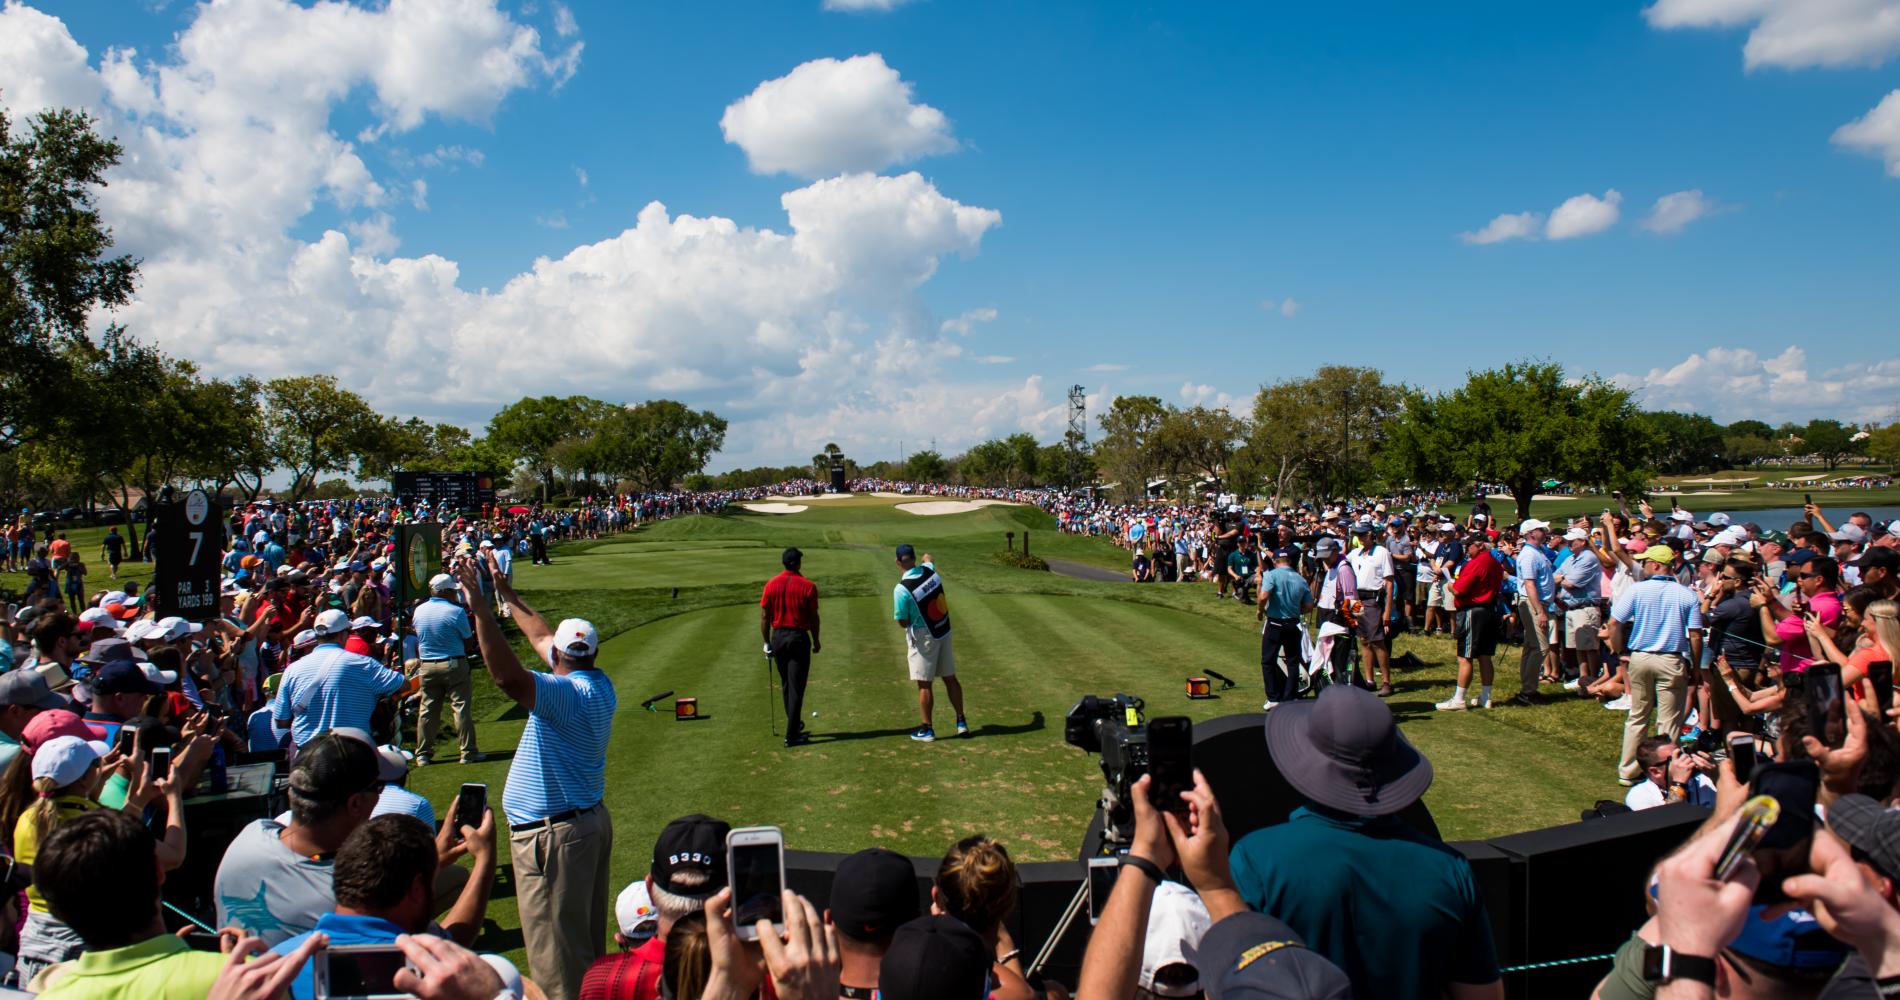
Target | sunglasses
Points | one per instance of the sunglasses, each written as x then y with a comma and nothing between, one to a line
1806,575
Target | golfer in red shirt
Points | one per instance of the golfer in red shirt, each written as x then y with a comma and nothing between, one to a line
788,622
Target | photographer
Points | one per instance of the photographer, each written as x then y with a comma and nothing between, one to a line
1670,775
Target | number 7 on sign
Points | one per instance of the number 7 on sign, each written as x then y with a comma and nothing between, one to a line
197,542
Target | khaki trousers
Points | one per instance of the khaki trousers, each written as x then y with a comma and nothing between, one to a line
562,891
1659,693
439,679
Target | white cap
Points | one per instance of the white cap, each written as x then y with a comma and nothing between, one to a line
162,678
1576,535
1480,517
392,763
1681,515
1719,519
1448,526
1531,524
1730,536
230,588
331,622
260,538
283,570
577,637
1177,921
486,544
98,616
511,983
112,597
639,919
364,622
308,637
441,582
143,629
174,628
65,759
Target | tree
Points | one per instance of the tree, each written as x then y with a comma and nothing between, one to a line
925,467
1883,443
1830,441
1024,456
985,464
1199,440
1127,448
1323,430
657,443
528,429
1691,442
314,427
1748,449
1519,425
1750,428
54,268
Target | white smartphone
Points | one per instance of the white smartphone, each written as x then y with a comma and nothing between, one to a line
358,972
1102,874
755,860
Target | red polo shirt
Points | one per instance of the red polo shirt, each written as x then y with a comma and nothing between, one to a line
628,975
791,601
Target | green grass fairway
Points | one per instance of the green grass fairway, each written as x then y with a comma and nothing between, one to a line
1028,644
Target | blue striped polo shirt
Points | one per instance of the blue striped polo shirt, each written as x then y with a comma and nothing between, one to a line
1660,612
329,688
442,626
561,763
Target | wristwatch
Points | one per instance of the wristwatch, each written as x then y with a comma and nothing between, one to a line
1662,963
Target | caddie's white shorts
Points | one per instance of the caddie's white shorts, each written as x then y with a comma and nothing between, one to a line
930,658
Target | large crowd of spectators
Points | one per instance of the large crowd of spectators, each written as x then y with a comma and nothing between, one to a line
114,721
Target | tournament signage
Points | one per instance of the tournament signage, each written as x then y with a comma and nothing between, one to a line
418,559
446,490
190,553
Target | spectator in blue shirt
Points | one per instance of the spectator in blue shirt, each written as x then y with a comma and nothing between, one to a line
1536,596
331,687
1284,601
1661,621
443,636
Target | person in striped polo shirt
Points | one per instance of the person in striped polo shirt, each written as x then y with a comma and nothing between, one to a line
331,687
1660,622
559,833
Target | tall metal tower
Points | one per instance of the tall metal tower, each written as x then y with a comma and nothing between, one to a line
1078,435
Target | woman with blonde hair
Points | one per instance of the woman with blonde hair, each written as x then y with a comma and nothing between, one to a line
977,884
1872,631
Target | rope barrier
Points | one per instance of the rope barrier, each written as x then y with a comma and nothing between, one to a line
1533,966
201,925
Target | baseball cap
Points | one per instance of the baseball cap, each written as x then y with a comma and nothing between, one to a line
1531,524
1177,922
1326,546
121,610
1481,517
271,683
791,557
1253,955
1713,558
935,958
1719,519
1681,515
114,597
1878,557
365,622
125,677
1659,554
1869,828
634,911
50,725
441,582
392,762
174,628
905,551
577,637
873,894
335,766
691,843
308,637
65,759
331,622
1576,535
1791,941
29,688
143,629
1285,553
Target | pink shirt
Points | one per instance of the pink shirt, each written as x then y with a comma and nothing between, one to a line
1796,654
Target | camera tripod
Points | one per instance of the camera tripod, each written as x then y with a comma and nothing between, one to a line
1076,903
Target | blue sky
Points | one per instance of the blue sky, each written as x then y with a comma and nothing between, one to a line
1161,171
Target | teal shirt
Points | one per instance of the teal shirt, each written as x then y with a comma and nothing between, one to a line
1286,592
1396,909
1241,562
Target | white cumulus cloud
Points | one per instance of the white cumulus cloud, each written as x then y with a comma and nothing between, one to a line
1877,133
832,116
966,322
1673,212
230,146
1730,383
1794,34
1583,215
1510,226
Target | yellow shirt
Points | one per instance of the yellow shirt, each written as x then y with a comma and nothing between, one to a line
26,839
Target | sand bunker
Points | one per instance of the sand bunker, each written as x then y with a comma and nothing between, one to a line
931,508
775,508
815,496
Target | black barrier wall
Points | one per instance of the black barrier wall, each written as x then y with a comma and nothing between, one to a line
1565,892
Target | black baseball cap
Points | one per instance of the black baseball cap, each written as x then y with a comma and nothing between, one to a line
873,894
691,843
1869,828
904,551
935,958
335,766
1249,955
791,557
1878,557
124,677
1288,554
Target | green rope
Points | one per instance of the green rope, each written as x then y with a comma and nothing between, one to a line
1559,962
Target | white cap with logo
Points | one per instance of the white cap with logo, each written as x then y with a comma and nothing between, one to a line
331,622
441,583
577,637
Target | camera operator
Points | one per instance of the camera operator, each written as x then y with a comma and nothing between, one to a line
1670,775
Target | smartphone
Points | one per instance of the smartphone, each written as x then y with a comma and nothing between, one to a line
1827,703
201,940
755,861
123,743
161,758
1170,762
1102,874
1741,756
358,971
1783,850
1881,673
470,805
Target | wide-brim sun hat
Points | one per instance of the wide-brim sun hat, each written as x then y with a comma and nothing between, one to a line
1343,750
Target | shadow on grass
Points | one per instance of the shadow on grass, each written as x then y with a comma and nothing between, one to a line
1036,723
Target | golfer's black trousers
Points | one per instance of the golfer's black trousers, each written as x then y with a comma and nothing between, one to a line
791,651
1282,635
